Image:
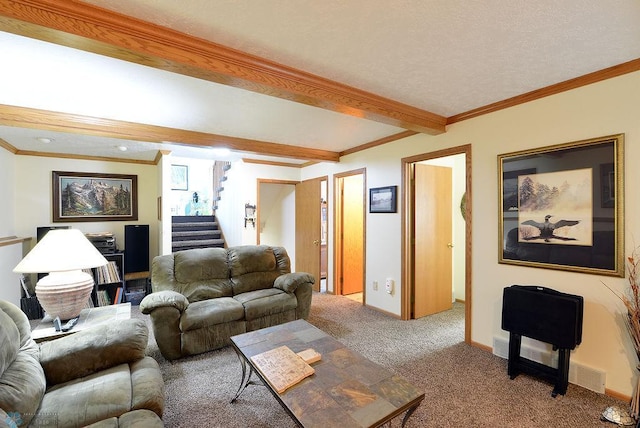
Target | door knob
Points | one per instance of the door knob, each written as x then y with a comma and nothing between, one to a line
316,242
450,245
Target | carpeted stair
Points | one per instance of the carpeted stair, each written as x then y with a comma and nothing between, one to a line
195,232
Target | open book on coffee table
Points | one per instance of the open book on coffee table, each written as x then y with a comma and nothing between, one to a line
282,367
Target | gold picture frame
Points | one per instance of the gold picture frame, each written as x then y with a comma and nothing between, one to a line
85,196
552,213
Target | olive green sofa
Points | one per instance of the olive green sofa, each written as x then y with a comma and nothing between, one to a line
98,377
202,297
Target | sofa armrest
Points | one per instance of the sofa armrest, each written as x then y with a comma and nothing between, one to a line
289,282
162,299
94,349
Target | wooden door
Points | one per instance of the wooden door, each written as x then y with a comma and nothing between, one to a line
308,228
352,243
433,235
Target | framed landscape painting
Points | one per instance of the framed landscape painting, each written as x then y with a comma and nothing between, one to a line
84,196
561,207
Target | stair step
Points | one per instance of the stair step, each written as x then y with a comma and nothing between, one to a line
199,237
192,218
199,224
195,233
184,245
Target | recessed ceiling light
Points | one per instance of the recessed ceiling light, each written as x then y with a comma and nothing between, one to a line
44,140
122,148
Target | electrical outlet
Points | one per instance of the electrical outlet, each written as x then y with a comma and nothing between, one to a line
388,286
375,285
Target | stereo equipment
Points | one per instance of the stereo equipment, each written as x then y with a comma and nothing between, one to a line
546,315
42,230
136,248
104,242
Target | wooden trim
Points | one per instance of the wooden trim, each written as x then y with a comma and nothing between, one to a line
64,122
159,156
11,240
481,346
379,142
567,85
407,211
136,275
93,29
276,181
8,147
615,394
83,157
272,163
382,311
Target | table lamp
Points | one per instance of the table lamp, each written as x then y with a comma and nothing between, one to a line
63,253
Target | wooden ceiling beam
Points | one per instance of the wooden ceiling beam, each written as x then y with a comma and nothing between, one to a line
25,117
90,28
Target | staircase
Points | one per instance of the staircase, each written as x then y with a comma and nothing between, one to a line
195,232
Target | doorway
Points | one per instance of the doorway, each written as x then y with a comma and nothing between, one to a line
275,210
350,202
461,211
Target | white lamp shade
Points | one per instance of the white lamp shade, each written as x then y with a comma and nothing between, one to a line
61,250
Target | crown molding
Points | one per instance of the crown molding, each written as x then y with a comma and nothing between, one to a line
90,28
567,85
273,163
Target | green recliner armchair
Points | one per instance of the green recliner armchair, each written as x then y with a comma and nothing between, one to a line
99,377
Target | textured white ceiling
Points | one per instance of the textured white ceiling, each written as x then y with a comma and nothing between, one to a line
443,56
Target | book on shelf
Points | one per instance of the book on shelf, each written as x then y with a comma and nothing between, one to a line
108,274
118,297
282,367
103,298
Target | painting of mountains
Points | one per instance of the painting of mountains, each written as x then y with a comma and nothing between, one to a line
94,197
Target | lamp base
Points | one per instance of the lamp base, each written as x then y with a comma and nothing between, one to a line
64,294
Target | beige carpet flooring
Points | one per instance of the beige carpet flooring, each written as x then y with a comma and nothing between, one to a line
464,385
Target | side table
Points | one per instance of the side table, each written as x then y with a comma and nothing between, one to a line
89,317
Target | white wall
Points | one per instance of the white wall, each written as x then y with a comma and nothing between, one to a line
241,188
277,217
33,202
604,108
10,255
200,180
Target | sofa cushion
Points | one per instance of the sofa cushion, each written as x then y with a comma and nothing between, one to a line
211,312
254,267
22,386
202,273
265,302
22,381
87,400
9,341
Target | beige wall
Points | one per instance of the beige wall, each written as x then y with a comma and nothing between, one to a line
600,109
604,108
33,205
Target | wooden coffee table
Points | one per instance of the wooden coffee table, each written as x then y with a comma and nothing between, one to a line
88,318
347,390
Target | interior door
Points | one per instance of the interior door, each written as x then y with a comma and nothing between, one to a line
308,228
352,242
433,235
